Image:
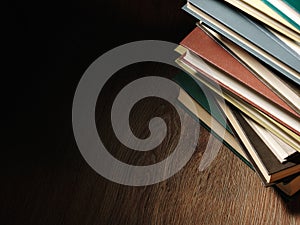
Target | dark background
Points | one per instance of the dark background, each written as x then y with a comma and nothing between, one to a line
49,46
52,43
44,179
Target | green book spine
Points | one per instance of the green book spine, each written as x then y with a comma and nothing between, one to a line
194,90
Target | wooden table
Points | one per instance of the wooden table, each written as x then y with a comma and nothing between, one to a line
45,178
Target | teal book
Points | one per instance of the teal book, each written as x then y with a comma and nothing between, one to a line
203,96
294,6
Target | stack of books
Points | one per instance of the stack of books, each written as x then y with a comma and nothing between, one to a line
243,66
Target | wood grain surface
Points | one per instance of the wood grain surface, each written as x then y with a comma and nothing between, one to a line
44,178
